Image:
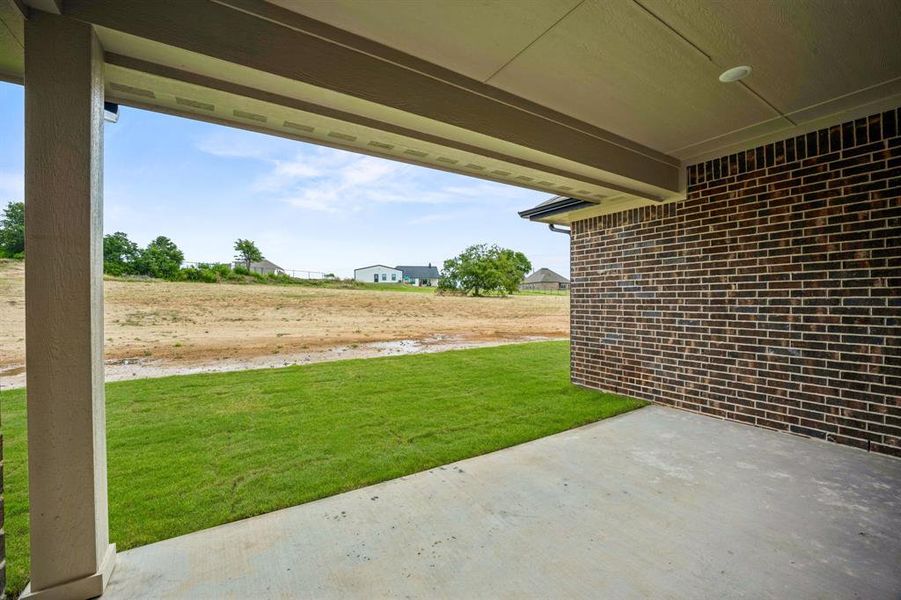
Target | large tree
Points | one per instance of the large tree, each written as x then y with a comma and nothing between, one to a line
161,259
12,230
248,252
119,254
483,269
512,266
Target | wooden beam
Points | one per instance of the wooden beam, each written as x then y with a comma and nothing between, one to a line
48,6
71,556
286,49
163,71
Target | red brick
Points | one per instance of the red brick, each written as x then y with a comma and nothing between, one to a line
770,296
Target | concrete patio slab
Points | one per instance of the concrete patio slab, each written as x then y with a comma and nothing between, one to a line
656,503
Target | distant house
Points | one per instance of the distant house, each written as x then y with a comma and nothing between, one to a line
378,274
421,276
545,279
264,267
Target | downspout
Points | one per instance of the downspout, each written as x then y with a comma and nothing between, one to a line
568,232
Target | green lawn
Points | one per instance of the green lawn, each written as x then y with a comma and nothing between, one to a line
195,451
335,284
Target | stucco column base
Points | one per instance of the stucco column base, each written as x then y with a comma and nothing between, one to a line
79,589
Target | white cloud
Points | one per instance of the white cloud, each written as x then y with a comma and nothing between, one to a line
334,181
287,169
340,182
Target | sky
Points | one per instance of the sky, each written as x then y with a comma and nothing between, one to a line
307,207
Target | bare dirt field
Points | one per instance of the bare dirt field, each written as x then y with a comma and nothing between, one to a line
156,328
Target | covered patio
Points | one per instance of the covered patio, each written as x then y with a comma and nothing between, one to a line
656,503
655,114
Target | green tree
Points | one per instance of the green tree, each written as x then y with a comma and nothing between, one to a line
483,269
119,254
248,252
161,259
512,267
12,230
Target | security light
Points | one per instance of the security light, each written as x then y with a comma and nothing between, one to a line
735,74
110,112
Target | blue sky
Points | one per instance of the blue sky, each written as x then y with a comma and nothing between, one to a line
306,206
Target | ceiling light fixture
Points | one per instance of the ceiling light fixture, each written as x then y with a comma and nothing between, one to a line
735,74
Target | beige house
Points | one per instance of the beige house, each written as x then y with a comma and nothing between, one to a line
263,267
545,279
731,167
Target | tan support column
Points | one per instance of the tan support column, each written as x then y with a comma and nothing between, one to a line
71,556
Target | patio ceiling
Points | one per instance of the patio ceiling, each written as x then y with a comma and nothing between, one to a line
648,70
601,101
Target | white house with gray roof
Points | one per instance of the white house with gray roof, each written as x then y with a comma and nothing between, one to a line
410,274
420,276
378,274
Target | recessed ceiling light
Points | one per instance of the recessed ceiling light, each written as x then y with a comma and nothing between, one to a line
735,74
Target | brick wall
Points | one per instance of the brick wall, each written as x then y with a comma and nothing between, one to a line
771,296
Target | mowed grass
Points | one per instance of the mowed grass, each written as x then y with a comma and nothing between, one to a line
335,284
191,452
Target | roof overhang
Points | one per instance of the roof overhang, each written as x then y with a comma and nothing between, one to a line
557,97
556,210
561,210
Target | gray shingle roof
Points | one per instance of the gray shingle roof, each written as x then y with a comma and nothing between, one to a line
553,206
414,272
265,264
545,276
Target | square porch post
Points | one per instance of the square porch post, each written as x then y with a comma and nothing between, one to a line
71,556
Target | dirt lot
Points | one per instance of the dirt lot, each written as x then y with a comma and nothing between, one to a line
161,328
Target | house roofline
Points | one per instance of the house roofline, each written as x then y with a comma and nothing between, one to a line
370,266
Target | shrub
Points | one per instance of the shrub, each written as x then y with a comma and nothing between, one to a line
221,269
204,275
280,278
208,273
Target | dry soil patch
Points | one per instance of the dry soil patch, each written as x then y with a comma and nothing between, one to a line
155,328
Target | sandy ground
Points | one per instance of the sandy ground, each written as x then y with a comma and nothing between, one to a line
154,329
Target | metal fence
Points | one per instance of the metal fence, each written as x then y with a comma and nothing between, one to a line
304,274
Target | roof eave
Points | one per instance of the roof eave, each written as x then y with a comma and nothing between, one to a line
564,205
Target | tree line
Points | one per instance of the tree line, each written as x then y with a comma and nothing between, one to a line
479,270
162,259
